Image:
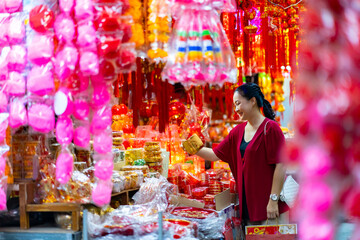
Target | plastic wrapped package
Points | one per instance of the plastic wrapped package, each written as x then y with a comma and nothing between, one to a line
15,85
17,113
3,189
84,10
101,120
118,182
64,165
81,107
127,57
64,130
104,165
86,39
12,6
144,169
66,60
66,6
40,80
17,58
133,179
41,18
101,193
107,16
16,28
100,96
199,52
78,189
64,28
4,123
41,114
82,134
131,155
40,48
89,63
125,27
103,141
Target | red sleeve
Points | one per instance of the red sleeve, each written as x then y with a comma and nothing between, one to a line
224,150
274,142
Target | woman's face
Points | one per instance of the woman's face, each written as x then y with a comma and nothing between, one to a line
243,107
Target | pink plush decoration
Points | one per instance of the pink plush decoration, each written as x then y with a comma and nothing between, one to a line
89,63
16,84
84,10
41,49
40,80
87,37
101,96
103,142
64,28
66,5
104,168
16,30
41,118
101,194
12,6
17,114
17,58
65,62
2,165
101,120
3,102
81,109
64,167
3,199
3,126
64,130
82,137
63,104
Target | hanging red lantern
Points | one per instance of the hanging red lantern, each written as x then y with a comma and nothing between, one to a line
176,111
41,18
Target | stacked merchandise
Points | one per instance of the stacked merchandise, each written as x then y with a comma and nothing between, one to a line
152,156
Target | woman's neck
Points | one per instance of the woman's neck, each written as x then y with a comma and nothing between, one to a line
256,120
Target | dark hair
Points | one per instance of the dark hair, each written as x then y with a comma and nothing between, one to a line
250,90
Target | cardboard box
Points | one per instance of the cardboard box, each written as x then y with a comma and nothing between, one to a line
234,198
222,200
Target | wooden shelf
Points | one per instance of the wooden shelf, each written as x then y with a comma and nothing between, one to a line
123,192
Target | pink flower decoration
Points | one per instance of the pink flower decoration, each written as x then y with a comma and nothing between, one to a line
101,120
12,6
104,168
41,118
17,58
82,137
16,84
40,80
89,63
66,5
18,114
64,167
101,194
81,109
16,30
64,28
40,49
64,130
103,142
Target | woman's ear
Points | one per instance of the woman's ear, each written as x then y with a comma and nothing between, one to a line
253,101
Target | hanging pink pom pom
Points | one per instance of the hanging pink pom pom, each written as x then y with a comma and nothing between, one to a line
104,168
17,114
101,96
101,194
40,80
89,63
84,9
64,28
17,58
16,30
3,126
82,137
316,162
321,198
16,84
87,37
40,49
64,167
3,200
3,102
65,62
66,5
81,109
12,6
103,142
2,165
64,130
63,104
41,118
316,228
101,120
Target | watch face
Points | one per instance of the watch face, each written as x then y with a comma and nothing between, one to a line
274,197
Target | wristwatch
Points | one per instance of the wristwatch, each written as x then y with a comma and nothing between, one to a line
274,197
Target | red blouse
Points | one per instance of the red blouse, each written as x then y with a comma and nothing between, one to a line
261,155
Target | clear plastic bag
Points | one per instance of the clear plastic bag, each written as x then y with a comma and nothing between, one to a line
17,58
64,165
41,116
104,165
40,80
64,130
64,28
18,114
40,48
66,60
15,85
101,120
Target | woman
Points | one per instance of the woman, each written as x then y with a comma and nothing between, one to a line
252,150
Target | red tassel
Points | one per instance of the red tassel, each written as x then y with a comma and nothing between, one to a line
117,86
125,90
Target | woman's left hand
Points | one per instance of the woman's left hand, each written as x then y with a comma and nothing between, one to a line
272,209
